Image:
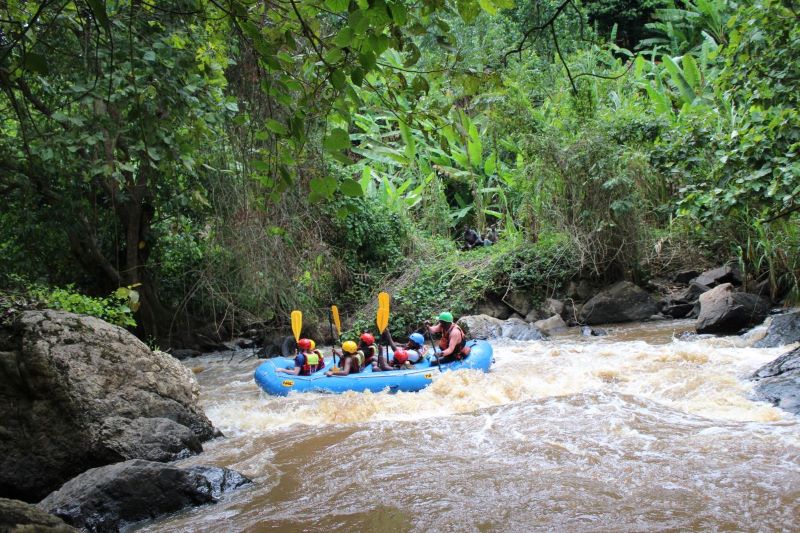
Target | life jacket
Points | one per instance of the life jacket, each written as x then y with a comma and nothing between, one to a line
359,359
372,355
311,363
321,362
461,350
356,361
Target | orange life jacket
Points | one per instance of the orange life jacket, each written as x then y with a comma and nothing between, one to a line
461,350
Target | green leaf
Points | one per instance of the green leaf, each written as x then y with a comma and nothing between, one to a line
691,71
351,188
337,6
468,9
677,77
338,139
475,147
408,138
149,56
323,187
344,37
276,127
488,6
357,76
490,166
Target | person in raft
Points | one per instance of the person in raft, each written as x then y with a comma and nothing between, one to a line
415,346
321,363
306,362
399,362
351,360
367,346
453,343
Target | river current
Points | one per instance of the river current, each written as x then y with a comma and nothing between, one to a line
646,429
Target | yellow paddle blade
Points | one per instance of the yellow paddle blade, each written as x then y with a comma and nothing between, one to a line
297,324
383,301
336,321
383,318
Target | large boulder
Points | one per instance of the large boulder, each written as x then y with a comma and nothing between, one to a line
494,308
684,303
520,301
722,310
519,330
781,330
486,327
717,276
77,392
778,382
554,324
21,517
622,302
110,497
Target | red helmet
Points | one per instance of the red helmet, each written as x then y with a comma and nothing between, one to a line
367,338
401,356
304,344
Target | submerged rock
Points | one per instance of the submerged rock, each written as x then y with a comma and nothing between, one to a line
781,330
778,382
622,302
78,393
21,517
109,497
724,311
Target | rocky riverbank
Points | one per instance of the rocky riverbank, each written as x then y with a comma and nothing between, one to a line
78,393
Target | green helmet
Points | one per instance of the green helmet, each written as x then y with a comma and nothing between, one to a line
446,316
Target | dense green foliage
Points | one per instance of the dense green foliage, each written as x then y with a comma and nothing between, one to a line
235,160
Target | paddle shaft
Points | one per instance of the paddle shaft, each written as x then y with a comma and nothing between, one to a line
333,348
433,345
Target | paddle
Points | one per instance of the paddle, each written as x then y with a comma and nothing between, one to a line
383,318
297,324
335,321
433,345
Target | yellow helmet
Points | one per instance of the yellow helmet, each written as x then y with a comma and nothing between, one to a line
349,347
313,344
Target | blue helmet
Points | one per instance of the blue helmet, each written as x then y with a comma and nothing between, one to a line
417,338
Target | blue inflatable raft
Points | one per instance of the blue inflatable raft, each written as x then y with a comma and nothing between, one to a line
413,379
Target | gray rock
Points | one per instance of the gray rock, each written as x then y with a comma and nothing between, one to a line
481,326
582,290
724,311
222,480
685,276
554,324
153,439
533,316
778,382
493,308
110,497
677,310
718,276
519,330
21,517
781,330
520,301
692,292
588,331
68,382
622,302
486,327
552,307
186,353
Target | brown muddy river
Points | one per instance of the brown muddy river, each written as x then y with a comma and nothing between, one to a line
643,430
